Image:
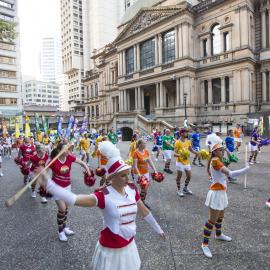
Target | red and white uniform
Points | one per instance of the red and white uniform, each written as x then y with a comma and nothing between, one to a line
27,151
38,161
61,171
119,228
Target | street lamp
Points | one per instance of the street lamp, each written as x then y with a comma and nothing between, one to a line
185,104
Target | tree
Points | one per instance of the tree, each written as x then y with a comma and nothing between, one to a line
7,31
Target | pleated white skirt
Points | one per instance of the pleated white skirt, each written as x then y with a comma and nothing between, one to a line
217,199
126,258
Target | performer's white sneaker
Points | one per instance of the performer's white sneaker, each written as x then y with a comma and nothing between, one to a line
206,251
62,237
268,203
1,174
68,232
187,191
180,193
44,200
223,237
33,194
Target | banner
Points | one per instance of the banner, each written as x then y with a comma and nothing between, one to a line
59,125
36,122
70,123
75,127
44,124
17,127
83,127
27,131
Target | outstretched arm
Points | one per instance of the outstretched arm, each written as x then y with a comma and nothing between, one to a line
83,164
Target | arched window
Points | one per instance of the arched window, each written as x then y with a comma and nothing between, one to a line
216,90
206,92
215,40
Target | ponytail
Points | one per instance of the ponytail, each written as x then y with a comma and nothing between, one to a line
57,150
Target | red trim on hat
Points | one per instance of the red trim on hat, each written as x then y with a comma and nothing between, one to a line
116,166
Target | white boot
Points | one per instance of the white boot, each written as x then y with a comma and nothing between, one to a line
68,231
223,237
62,236
206,251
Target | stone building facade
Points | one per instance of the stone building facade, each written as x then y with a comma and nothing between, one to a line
207,59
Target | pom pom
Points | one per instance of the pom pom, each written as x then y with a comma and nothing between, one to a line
158,177
89,179
100,172
143,182
204,154
25,170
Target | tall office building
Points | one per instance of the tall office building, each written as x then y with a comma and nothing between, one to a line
50,59
10,71
86,25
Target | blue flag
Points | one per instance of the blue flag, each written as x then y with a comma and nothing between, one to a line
59,125
70,123
83,127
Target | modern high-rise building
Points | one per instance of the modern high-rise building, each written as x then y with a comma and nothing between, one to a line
50,59
10,71
41,93
86,25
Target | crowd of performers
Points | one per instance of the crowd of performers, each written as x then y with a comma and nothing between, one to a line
123,184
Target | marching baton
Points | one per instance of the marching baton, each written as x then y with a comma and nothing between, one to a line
246,151
9,202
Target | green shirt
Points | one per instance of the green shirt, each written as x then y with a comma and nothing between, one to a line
168,139
112,137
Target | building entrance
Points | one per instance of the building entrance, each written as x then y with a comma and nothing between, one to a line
126,133
147,105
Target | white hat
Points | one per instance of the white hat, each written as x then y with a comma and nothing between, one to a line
115,163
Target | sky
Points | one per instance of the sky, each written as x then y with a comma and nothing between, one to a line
38,19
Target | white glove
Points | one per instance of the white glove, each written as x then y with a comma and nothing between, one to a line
153,223
238,172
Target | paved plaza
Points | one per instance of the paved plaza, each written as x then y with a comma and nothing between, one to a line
29,231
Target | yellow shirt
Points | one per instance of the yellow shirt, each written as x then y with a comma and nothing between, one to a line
132,149
182,148
85,144
98,140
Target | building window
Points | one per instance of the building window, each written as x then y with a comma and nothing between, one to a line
216,91
204,43
267,29
147,54
226,40
8,101
97,111
7,87
267,86
227,89
96,89
168,47
206,92
129,54
93,111
215,40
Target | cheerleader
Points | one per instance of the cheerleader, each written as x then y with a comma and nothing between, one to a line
253,146
142,161
85,148
61,169
167,147
119,204
102,161
182,149
196,139
38,159
158,144
217,199
26,151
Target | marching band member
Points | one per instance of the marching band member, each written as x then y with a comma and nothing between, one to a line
217,199
119,203
142,161
182,149
61,169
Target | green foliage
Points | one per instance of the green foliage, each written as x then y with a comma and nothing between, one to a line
7,31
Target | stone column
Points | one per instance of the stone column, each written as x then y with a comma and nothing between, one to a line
178,92
263,30
161,94
156,50
120,101
210,93
202,97
138,57
176,42
135,57
120,63
181,90
118,66
185,36
128,100
142,98
223,92
136,98
157,96
160,48
125,101
208,45
139,98
264,88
